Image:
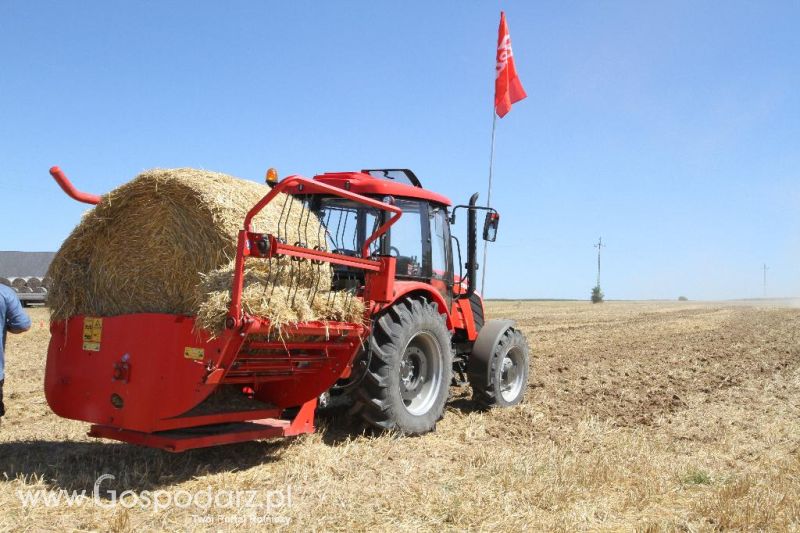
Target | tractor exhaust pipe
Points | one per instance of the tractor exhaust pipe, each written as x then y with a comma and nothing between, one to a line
472,246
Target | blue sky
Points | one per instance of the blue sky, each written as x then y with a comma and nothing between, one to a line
671,129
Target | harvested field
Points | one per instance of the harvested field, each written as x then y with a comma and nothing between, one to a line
652,416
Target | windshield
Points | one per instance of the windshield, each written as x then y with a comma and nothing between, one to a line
348,224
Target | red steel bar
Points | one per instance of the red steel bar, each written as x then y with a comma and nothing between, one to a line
70,189
278,247
296,185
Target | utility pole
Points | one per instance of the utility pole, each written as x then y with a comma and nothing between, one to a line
599,246
765,279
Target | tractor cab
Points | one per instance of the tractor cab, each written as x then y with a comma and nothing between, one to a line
420,240
430,283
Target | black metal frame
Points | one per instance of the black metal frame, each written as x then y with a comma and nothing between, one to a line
412,178
472,241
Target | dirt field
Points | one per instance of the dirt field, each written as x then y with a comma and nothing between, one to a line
650,416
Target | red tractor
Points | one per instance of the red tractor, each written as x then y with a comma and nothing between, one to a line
156,380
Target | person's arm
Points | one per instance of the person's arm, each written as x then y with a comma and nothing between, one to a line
17,320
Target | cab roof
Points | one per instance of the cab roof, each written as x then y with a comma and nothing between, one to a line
366,184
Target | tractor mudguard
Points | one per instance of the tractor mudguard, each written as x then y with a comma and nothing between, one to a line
481,358
403,289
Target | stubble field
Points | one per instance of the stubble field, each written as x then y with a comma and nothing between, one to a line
640,415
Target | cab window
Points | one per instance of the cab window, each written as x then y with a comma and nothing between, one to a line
440,244
407,240
441,258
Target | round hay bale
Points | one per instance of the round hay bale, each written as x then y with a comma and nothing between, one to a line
33,282
24,290
40,290
5,281
46,281
146,246
280,303
17,283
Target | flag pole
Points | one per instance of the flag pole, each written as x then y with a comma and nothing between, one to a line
507,90
488,197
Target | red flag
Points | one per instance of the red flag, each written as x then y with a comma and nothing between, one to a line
507,87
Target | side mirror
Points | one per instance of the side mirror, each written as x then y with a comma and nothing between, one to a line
490,226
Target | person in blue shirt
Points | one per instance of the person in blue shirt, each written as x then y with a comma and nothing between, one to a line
12,319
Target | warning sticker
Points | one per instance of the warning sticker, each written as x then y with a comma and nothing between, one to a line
195,354
92,333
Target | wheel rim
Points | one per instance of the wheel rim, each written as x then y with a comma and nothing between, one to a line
511,375
420,373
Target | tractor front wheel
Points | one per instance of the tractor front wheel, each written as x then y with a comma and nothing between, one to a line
503,381
407,380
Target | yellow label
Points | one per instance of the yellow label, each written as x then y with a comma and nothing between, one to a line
92,333
195,354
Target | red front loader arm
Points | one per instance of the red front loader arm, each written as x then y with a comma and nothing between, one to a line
378,284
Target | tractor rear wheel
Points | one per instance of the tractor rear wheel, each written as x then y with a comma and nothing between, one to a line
507,373
407,380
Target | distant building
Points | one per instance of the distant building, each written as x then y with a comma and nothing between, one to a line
24,264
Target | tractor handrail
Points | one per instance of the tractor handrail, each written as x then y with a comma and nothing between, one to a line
298,185
70,189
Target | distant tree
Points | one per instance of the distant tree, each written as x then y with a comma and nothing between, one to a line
597,295
683,299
